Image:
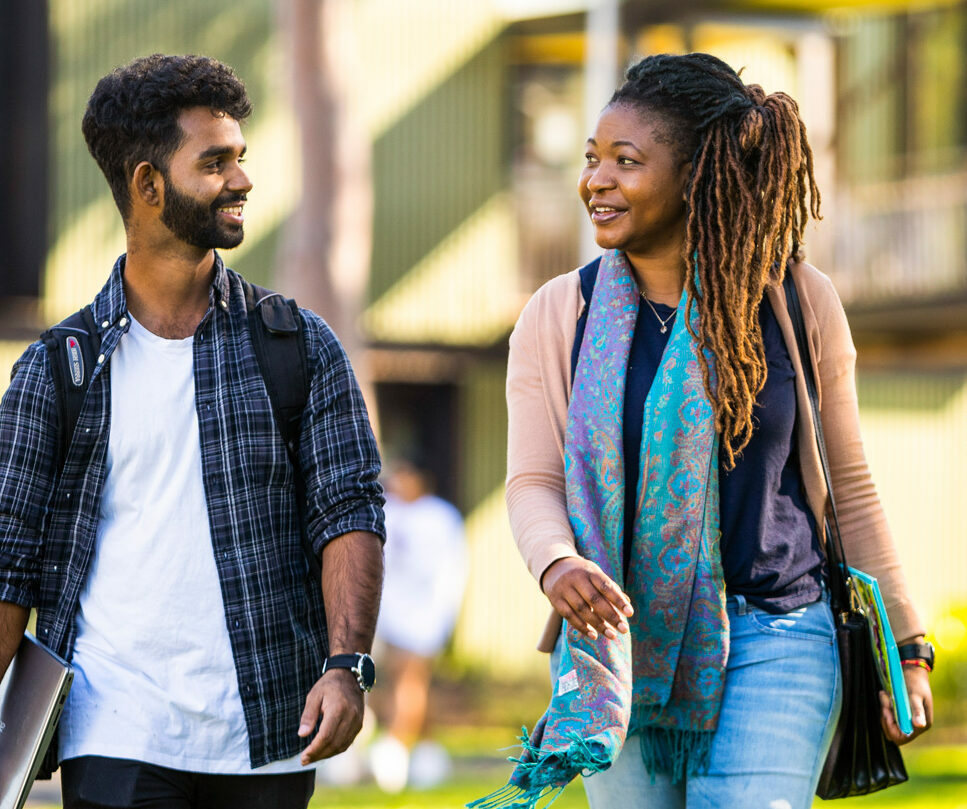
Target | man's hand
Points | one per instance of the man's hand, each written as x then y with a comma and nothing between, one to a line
352,577
13,622
336,703
921,706
586,598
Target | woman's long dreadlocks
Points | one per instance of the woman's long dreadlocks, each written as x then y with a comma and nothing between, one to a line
752,173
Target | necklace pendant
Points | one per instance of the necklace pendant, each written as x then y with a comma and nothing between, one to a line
664,329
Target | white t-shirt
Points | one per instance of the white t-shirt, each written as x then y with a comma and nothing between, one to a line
425,572
154,676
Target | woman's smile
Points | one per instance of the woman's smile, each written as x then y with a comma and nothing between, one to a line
633,184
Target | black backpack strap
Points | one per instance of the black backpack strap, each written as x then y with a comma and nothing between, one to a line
278,338
589,274
72,349
279,341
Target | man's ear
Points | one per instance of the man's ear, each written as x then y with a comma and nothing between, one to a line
148,184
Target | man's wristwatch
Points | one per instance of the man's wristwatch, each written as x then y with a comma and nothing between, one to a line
917,652
359,663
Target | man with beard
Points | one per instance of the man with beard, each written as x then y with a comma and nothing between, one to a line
163,551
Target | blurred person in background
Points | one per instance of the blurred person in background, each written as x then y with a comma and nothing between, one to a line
426,569
664,485
163,554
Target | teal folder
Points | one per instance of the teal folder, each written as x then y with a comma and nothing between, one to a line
885,650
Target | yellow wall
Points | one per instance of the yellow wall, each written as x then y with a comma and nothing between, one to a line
915,434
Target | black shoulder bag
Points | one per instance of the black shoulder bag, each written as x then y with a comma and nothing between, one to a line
861,759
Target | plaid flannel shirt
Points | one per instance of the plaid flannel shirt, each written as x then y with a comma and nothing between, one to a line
276,620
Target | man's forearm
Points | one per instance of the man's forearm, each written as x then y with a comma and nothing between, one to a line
13,622
352,581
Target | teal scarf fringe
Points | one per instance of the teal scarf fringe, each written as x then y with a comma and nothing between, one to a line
676,753
538,776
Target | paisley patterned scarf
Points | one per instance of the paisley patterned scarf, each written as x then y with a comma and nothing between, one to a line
664,679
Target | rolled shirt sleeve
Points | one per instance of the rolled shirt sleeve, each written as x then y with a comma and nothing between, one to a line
28,452
338,453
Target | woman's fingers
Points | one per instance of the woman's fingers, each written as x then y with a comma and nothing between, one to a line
615,597
921,700
921,706
888,721
586,598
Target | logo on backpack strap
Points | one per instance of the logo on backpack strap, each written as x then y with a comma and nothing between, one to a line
75,361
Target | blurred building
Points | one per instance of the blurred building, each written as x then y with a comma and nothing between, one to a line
477,111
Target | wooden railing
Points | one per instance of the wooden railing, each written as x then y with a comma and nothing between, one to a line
902,240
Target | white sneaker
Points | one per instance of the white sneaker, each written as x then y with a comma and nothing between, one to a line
430,765
342,770
389,761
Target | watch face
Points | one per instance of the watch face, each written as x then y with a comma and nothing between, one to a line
918,651
367,671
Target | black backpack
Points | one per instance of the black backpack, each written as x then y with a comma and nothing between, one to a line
73,346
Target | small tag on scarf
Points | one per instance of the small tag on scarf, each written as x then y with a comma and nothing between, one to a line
568,682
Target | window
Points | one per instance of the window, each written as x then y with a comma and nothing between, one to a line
23,158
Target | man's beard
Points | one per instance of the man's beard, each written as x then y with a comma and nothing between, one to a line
196,223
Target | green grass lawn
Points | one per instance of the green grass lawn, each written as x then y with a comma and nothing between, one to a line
938,780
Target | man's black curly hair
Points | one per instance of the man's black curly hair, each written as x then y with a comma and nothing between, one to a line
132,115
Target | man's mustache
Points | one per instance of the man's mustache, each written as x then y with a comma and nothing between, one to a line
229,199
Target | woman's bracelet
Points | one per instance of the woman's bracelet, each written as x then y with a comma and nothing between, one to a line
923,664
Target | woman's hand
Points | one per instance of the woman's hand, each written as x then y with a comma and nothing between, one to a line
586,598
921,706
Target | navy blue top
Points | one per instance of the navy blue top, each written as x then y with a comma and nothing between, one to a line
770,547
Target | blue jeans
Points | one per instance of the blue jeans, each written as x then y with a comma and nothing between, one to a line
779,710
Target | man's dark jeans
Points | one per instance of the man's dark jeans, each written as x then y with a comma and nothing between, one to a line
94,782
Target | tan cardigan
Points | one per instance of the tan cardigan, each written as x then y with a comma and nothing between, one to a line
538,388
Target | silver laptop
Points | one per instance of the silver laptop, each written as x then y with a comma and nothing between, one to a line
32,696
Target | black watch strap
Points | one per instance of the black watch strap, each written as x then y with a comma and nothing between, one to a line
917,651
359,663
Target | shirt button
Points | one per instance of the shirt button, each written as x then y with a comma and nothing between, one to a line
105,324
68,495
224,304
123,322
237,623
100,359
55,568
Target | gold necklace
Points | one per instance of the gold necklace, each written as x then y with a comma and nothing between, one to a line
664,323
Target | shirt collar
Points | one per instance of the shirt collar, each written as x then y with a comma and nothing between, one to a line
110,305
220,286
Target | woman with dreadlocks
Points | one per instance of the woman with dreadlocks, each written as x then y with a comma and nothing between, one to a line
661,487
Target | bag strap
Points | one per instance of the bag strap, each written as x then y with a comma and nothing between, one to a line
588,275
279,341
839,578
72,349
